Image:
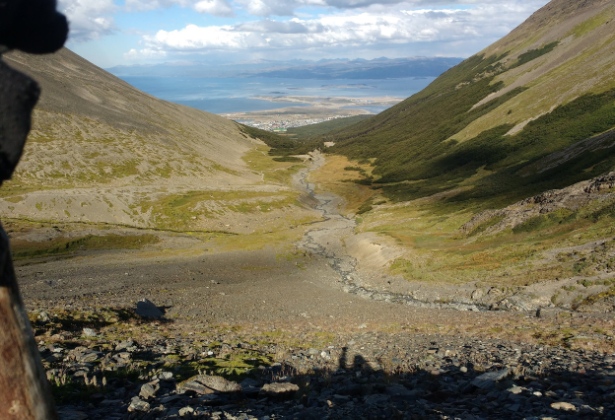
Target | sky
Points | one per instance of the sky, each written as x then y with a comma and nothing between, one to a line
129,32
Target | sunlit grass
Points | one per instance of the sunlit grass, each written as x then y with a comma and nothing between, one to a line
61,246
343,177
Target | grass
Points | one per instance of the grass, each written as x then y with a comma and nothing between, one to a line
530,55
344,178
182,211
425,145
590,25
436,250
308,132
274,171
23,249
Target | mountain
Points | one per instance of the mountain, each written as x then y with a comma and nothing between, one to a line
341,68
505,116
498,173
101,151
380,68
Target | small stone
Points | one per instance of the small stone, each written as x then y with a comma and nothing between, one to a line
397,390
563,406
204,384
124,345
149,390
136,404
166,376
146,309
183,412
463,369
278,389
89,332
514,407
169,399
486,380
43,317
88,356
515,390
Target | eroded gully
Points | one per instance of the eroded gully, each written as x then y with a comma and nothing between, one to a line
327,238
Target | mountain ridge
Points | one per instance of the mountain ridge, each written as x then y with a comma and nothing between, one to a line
327,69
481,113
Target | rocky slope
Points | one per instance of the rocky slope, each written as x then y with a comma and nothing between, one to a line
103,152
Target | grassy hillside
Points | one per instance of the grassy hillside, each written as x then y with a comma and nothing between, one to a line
489,121
102,153
307,132
488,176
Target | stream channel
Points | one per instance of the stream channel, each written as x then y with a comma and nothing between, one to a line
327,238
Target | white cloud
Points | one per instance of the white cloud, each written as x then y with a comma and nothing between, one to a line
214,7
140,5
193,37
88,19
350,29
144,54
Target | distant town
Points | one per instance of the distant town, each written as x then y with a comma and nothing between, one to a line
281,123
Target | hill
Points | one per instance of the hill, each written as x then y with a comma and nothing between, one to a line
497,174
498,115
102,153
314,130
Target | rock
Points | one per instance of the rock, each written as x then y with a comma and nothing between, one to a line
165,376
83,355
149,390
486,380
136,404
89,332
477,294
515,390
43,317
146,309
397,390
563,406
125,345
279,389
205,384
183,412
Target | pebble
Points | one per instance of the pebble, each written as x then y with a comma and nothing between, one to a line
368,375
564,406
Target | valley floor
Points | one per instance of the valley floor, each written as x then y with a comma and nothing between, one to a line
288,322
299,335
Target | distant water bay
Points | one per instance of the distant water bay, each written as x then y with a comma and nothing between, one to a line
239,94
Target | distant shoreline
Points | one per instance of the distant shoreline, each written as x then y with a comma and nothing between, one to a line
281,119
256,96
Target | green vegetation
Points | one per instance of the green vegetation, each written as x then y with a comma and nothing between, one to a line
530,55
590,24
482,227
63,246
416,154
544,221
311,131
181,211
281,145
